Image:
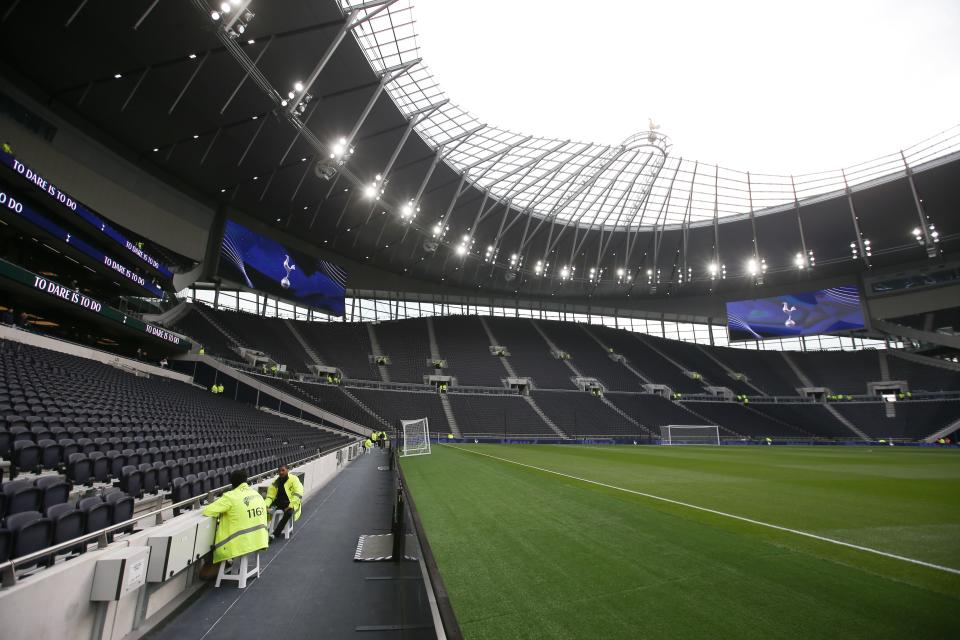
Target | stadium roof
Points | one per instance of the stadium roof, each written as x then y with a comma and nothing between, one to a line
639,183
459,203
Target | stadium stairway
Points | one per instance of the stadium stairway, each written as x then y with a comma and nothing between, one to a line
626,416
607,349
377,351
451,419
730,372
310,586
493,341
207,314
546,420
801,376
845,422
307,349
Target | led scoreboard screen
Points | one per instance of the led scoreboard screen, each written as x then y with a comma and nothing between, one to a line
796,314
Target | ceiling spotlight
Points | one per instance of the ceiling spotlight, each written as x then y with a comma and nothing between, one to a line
155,149
192,56
620,272
117,75
298,86
225,7
214,15
461,250
251,41
196,135
409,211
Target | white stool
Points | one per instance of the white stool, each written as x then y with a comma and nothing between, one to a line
242,569
287,530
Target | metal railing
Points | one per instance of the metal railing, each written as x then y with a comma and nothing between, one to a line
8,569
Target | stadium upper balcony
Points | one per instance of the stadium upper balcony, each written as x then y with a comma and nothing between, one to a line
619,359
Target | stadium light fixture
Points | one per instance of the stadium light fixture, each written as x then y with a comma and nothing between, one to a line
341,151
375,189
465,245
409,211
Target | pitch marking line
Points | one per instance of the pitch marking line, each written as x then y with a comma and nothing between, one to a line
759,523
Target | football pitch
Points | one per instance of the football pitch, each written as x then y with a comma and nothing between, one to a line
557,541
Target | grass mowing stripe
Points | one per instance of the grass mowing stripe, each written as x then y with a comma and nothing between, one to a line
760,523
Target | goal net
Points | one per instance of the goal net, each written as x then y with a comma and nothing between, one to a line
689,434
416,437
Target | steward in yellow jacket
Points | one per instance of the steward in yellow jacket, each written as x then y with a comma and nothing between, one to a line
285,493
242,520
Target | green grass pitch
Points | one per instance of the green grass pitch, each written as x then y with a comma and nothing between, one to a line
526,553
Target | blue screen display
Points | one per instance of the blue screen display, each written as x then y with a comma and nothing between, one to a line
264,264
795,314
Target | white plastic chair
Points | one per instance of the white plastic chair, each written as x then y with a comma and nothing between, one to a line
242,569
287,530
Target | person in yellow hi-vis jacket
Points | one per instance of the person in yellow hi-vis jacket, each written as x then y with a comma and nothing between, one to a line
242,520
288,499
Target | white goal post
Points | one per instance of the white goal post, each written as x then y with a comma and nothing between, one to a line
689,434
416,437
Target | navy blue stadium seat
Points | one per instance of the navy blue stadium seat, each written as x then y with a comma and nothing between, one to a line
22,495
131,481
26,456
6,442
96,514
163,476
116,461
69,447
6,544
79,469
31,532
148,477
121,506
55,491
100,466
67,524
51,454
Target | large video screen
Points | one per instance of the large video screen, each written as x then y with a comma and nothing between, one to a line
264,264
795,314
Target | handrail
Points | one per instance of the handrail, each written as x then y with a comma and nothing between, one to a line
8,569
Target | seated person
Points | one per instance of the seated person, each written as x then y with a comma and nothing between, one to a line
285,493
242,520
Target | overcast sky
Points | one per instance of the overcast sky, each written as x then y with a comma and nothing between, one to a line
766,86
